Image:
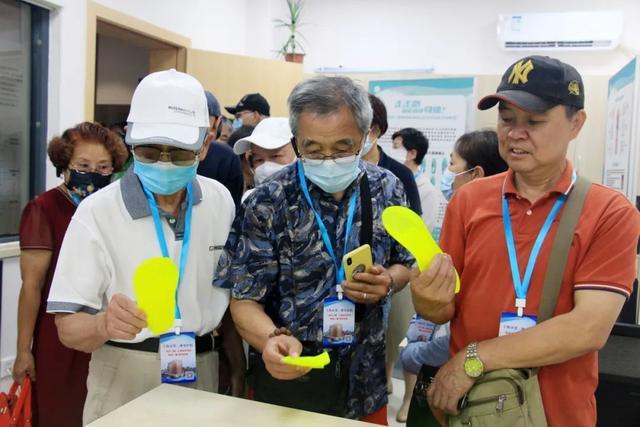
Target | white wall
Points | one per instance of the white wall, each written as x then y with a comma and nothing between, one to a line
452,36
218,25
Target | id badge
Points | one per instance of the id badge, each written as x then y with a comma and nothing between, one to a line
178,358
338,322
511,323
420,330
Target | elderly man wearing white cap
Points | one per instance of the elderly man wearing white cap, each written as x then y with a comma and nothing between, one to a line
159,208
268,149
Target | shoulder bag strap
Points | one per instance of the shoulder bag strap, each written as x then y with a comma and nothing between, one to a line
561,247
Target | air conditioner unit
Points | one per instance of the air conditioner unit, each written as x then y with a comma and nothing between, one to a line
599,30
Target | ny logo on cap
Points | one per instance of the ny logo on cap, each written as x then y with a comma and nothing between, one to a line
574,88
520,72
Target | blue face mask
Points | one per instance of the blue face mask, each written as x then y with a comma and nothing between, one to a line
237,123
163,177
368,145
446,182
333,176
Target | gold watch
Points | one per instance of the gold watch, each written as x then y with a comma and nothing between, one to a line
473,366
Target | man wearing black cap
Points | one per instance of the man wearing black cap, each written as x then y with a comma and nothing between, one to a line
250,110
498,234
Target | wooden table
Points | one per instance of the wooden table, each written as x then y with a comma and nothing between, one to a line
169,405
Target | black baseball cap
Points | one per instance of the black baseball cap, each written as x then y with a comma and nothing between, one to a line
251,102
536,84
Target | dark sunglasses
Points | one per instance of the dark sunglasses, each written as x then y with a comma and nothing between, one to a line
177,156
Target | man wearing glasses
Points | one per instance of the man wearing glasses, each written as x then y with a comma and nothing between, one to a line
160,208
283,261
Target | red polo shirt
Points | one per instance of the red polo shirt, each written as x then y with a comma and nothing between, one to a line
602,257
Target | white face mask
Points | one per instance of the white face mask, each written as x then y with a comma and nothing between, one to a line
265,170
398,154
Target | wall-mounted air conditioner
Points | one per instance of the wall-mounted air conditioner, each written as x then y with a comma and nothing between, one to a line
599,30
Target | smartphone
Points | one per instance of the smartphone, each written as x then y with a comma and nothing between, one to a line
358,260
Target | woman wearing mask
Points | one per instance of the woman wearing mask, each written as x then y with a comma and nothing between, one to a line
475,155
86,156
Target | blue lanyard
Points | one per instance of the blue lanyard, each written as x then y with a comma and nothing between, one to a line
163,243
75,198
522,285
323,229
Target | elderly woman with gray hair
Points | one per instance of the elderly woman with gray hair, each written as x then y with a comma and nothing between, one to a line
283,261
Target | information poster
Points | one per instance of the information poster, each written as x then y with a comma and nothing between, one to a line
441,108
621,145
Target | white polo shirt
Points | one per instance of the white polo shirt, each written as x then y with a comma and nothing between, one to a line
112,232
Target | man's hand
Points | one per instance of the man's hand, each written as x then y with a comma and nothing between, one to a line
24,365
275,349
449,385
433,290
368,288
123,319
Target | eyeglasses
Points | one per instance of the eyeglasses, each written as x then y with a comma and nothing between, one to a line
339,157
318,157
103,169
177,156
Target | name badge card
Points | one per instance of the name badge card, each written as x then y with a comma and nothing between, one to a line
511,323
178,358
420,329
338,322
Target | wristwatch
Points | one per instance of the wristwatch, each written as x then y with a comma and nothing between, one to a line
473,366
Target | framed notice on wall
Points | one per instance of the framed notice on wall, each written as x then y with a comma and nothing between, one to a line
440,108
621,144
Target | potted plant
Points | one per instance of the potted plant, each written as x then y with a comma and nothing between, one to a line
292,49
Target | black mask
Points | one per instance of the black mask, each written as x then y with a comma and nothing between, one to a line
81,184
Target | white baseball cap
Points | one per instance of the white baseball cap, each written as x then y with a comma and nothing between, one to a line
271,133
168,107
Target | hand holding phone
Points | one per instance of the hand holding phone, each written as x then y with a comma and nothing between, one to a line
358,260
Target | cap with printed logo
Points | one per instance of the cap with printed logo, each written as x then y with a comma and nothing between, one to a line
271,133
536,84
170,108
251,102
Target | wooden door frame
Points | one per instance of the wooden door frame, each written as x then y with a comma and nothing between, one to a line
96,12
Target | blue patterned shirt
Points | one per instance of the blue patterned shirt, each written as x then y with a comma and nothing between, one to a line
275,255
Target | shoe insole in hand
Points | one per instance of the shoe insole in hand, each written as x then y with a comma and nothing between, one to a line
313,362
409,230
154,283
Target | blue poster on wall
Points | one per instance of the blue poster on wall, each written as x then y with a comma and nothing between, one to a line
621,146
441,108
